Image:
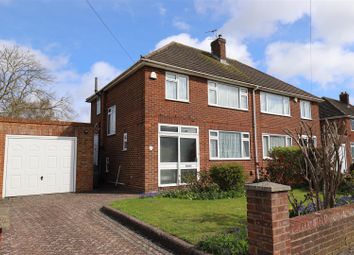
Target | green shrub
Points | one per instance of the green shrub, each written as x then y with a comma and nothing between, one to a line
228,176
234,243
347,185
202,188
285,166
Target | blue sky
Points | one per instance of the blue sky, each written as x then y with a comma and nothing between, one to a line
271,35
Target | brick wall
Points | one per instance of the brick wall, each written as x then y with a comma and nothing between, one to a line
83,132
128,97
329,231
270,231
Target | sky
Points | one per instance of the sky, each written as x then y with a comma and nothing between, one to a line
270,35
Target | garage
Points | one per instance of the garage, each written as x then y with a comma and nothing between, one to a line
39,165
45,157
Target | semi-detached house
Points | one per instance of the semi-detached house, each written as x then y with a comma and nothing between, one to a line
179,110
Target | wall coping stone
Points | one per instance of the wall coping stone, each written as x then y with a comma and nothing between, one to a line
267,187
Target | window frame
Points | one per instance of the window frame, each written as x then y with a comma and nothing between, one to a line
279,135
111,111
125,141
351,151
301,110
266,104
180,134
98,106
242,91
351,124
242,144
306,137
177,82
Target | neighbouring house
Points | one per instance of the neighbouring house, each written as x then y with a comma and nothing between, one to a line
341,110
179,110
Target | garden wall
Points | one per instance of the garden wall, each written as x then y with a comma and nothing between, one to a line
326,232
271,231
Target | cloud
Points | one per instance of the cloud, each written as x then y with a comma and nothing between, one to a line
162,10
181,25
253,18
331,65
234,48
68,82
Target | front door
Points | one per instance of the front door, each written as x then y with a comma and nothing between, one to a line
178,154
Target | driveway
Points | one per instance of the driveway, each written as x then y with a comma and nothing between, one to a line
68,224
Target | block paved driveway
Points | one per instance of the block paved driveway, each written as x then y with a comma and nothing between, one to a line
68,224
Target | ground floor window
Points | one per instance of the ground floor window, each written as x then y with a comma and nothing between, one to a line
178,154
352,151
229,145
271,141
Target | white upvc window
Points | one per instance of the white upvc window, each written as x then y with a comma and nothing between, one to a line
125,141
305,109
111,120
352,124
271,141
227,96
229,145
98,106
306,140
352,151
177,87
275,104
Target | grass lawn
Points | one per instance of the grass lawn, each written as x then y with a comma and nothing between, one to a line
190,220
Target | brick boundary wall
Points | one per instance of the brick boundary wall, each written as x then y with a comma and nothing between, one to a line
83,132
271,231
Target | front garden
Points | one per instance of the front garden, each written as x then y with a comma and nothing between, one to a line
210,213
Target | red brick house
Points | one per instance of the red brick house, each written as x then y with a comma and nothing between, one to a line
341,110
179,110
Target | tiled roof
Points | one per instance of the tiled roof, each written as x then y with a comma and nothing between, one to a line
334,108
190,58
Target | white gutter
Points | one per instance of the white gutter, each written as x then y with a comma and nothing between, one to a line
255,130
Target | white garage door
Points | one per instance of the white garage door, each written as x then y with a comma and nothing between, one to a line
39,165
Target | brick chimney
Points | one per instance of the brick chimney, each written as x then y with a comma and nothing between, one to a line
344,97
218,48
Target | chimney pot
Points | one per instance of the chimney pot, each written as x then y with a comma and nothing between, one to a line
344,98
218,48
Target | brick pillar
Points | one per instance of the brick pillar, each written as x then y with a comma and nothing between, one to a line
268,218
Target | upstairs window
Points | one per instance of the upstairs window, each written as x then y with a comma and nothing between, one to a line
125,141
272,141
98,106
352,124
275,104
177,87
227,96
111,120
305,109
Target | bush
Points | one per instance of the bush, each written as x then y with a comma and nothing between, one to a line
229,177
208,184
233,243
347,186
285,166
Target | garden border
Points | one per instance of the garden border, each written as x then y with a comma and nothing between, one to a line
169,241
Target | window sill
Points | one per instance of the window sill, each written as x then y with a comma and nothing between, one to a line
125,150
230,108
176,100
276,114
229,159
111,134
306,118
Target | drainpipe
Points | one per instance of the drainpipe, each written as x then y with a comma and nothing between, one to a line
255,130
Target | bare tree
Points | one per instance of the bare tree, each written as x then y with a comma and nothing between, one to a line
322,164
24,87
